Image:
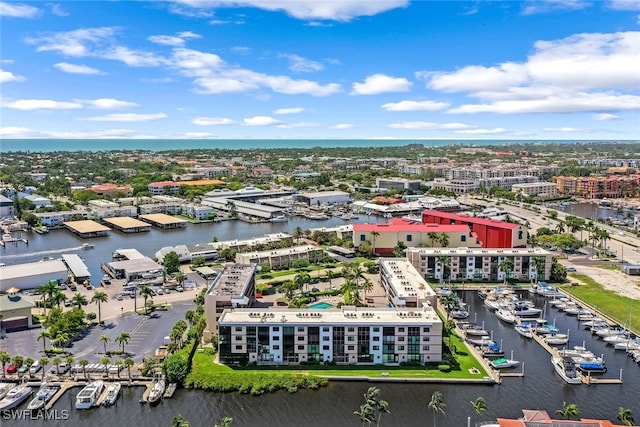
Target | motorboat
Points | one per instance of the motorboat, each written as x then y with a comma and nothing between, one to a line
112,394
503,363
505,315
565,367
524,329
628,345
15,396
591,364
480,340
88,396
87,246
279,218
474,330
615,339
606,332
492,303
157,390
459,313
546,329
524,309
44,394
4,389
492,349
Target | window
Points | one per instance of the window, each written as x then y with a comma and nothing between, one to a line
400,348
238,328
275,328
325,347
300,338
376,329
300,347
325,338
350,329
325,329
276,338
238,337
239,347
363,237
426,339
519,234
400,329
409,237
426,330
463,238
351,347
376,347
376,338
300,328
351,338
276,347
400,339
425,347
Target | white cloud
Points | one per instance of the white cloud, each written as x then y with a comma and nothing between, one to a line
73,43
342,126
577,102
567,129
430,125
604,117
18,10
381,83
134,58
94,134
293,110
261,121
110,104
8,76
177,40
298,125
128,117
41,104
482,131
415,106
211,121
534,7
76,69
299,64
226,22
344,10
632,5
57,10
475,78
243,50
197,135
14,132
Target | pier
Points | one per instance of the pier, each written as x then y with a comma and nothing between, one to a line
171,389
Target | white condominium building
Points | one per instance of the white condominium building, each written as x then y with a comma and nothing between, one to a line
403,284
348,335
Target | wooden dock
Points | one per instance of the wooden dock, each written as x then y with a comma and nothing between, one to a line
147,391
588,379
62,390
171,388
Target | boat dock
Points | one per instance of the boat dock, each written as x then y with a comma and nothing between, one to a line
62,390
13,240
145,395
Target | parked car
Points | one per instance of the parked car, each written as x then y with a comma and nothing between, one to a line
12,369
159,291
571,269
23,369
72,286
59,370
67,303
35,367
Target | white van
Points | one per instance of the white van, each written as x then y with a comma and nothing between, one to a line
35,367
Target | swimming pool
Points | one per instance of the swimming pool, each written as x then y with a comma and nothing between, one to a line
320,305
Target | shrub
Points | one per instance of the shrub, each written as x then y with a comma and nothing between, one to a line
444,368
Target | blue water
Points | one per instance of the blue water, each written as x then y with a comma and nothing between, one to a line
320,305
50,145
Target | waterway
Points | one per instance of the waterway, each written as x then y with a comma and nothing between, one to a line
540,388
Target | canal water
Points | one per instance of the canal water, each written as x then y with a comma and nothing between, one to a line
540,388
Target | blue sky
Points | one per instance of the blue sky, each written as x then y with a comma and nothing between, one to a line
555,69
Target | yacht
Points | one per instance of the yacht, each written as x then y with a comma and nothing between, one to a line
44,394
565,367
279,218
556,339
112,394
15,396
4,389
157,390
88,396
503,363
524,329
523,309
505,315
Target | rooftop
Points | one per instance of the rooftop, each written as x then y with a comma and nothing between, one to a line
405,279
471,219
397,225
232,280
15,302
126,222
17,271
76,265
481,251
86,226
162,219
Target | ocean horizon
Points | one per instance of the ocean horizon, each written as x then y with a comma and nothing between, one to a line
93,145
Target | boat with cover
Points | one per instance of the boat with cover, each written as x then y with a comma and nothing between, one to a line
628,345
503,363
15,396
479,340
492,349
112,394
44,394
88,396
565,367
526,309
505,315
474,330
525,330
556,339
157,390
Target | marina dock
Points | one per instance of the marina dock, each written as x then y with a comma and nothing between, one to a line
171,388
62,390
145,395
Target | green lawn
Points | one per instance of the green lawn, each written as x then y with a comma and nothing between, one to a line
617,307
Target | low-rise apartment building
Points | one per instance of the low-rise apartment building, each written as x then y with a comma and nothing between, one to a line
348,335
234,287
481,264
281,258
399,184
404,286
53,219
164,187
535,189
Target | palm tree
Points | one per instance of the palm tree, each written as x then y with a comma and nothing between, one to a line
225,422
128,363
374,234
569,410
106,361
626,417
99,297
47,289
560,227
373,407
123,339
104,339
366,414
57,297
69,359
297,234
479,405
191,317
43,335
44,361
450,302
84,363
539,264
61,339
79,300
506,265
4,359
432,235
443,239
436,404
28,362
118,364
179,421
444,261
17,361
301,278
57,361
146,292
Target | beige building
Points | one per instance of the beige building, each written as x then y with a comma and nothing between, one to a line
403,284
16,313
234,287
348,335
534,189
281,258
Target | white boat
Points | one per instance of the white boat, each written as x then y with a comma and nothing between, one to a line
155,395
492,303
524,309
4,389
525,330
44,394
15,396
628,345
88,396
475,330
7,237
505,315
556,339
480,340
615,339
87,246
606,332
565,367
503,363
112,394
279,218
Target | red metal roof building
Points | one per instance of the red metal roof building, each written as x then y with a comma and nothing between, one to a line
490,233
537,418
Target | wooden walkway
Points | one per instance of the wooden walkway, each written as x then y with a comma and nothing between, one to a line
62,390
171,388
